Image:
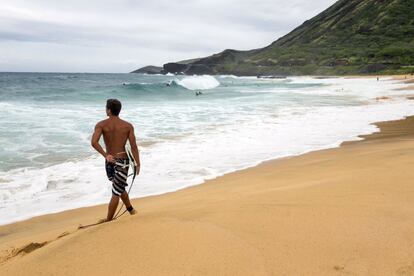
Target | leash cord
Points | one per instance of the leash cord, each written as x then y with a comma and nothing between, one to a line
129,190
119,210
130,157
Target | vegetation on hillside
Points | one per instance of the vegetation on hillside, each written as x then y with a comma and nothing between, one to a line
350,37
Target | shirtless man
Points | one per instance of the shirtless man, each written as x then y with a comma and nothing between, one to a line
116,132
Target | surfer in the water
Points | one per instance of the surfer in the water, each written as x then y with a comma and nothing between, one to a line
116,132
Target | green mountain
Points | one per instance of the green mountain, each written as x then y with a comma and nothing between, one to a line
350,37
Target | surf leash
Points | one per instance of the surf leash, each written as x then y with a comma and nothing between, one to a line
134,174
134,165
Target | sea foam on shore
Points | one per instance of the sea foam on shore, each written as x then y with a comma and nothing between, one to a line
47,163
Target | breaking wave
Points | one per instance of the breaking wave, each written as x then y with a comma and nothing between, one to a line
198,82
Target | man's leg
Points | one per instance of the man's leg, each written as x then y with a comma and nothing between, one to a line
125,199
113,204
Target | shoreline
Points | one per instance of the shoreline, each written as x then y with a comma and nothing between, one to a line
403,79
59,229
253,163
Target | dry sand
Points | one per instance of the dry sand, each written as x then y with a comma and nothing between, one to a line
344,211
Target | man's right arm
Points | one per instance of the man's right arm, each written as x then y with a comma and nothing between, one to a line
95,142
134,149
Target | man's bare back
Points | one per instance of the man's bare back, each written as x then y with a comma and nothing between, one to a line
115,134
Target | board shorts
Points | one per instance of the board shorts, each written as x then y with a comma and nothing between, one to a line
118,175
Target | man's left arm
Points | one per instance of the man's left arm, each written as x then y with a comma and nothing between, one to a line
134,149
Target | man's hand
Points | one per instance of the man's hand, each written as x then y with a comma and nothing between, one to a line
110,158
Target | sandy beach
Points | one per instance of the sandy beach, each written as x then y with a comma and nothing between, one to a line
245,138
343,211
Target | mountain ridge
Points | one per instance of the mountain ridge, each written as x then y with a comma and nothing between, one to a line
349,37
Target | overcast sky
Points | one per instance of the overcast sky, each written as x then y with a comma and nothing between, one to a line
123,35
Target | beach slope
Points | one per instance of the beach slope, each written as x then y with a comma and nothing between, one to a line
341,211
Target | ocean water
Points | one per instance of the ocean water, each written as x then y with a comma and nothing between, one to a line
46,122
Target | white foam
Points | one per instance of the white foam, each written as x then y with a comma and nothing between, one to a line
237,77
198,82
242,135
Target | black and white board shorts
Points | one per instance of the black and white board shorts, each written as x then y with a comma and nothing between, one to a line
118,175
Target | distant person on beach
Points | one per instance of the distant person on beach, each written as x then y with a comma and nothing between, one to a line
116,132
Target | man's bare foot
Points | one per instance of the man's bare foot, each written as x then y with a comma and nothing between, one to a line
132,212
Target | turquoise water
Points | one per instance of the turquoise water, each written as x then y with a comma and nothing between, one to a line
47,120
48,117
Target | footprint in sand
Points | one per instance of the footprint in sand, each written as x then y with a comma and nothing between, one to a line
28,248
22,251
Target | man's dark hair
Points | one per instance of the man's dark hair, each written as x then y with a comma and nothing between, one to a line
114,105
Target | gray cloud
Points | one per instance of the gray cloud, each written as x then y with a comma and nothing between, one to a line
119,36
